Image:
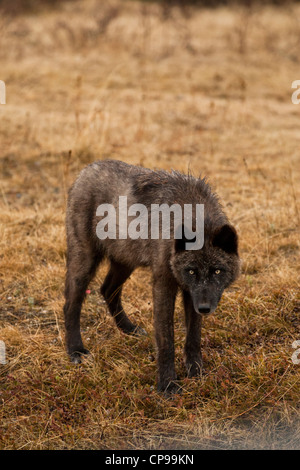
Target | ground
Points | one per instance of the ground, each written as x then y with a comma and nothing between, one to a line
206,90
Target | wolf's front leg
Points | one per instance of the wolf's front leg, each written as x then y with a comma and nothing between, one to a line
192,349
164,294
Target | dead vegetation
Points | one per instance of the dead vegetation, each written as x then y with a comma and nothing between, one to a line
209,91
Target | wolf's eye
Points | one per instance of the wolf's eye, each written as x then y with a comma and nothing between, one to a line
191,272
217,271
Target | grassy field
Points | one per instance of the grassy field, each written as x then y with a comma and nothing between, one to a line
206,90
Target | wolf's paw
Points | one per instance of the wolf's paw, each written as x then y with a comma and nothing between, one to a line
134,330
194,369
139,331
75,356
170,389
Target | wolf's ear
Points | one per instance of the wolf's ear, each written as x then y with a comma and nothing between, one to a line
181,239
226,238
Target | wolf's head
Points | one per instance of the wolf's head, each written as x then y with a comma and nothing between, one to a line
205,273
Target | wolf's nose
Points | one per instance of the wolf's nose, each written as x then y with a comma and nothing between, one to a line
204,308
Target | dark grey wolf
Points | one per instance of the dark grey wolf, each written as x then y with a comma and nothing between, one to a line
202,275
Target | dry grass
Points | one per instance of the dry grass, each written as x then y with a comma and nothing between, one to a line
210,91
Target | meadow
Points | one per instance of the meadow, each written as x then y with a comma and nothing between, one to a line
199,89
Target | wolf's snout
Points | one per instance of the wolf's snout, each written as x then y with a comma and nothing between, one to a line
204,308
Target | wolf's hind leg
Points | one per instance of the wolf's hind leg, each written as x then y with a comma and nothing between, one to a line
111,290
81,267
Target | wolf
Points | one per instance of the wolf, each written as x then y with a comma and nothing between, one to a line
201,275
